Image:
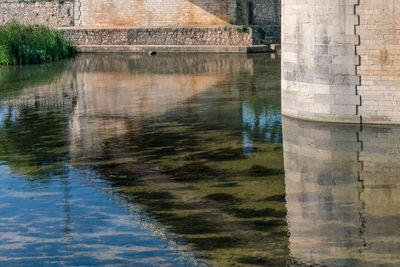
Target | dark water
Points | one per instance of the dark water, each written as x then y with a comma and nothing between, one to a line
130,160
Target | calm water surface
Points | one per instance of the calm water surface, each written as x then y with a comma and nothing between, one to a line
184,160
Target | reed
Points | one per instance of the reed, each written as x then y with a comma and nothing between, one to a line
28,44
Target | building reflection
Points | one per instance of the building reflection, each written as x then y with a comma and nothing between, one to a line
342,186
196,142
167,133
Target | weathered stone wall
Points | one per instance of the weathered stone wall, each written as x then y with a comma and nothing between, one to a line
51,13
264,17
380,61
192,14
156,13
267,12
264,12
162,36
267,34
342,193
318,60
341,60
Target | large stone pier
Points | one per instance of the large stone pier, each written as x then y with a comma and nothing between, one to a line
340,60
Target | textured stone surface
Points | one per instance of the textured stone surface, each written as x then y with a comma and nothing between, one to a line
318,60
161,36
267,12
380,61
176,48
341,60
156,13
50,13
151,14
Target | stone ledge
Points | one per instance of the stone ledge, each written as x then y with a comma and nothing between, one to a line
328,118
174,49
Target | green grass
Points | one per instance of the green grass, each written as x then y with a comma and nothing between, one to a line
241,28
23,44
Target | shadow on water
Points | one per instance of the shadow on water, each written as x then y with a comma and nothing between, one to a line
213,137
177,135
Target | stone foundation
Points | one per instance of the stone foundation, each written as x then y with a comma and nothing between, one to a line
223,35
185,39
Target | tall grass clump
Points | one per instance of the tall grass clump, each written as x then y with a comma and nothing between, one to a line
27,44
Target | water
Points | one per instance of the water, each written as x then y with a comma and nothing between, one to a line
184,160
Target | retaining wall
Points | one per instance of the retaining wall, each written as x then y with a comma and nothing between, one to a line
152,22
161,36
51,13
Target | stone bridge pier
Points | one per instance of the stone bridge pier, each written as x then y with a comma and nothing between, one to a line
341,60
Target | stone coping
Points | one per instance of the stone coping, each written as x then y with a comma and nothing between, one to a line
165,27
174,48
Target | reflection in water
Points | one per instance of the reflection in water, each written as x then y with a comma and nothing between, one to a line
163,138
178,160
342,193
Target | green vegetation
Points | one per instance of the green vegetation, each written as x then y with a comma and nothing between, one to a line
21,44
146,30
225,28
242,28
261,33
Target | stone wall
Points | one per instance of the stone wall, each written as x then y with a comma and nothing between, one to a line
267,12
162,36
156,13
318,60
380,61
266,19
266,34
341,60
51,13
264,12
151,14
